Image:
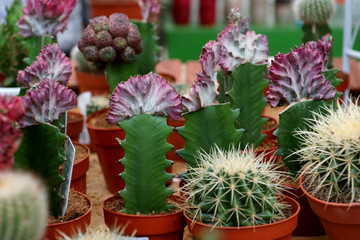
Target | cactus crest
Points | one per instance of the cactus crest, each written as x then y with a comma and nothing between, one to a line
314,11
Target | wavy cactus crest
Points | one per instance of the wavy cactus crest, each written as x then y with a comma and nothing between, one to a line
144,94
45,17
296,76
314,11
330,153
234,188
324,45
209,59
150,10
239,48
234,18
45,103
11,110
50,64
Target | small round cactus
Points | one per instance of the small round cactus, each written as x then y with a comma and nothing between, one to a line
314,11
109,39
330,151
23,207
234,188
103,234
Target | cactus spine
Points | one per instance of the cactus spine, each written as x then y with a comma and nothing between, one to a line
233,189
101,234
23,207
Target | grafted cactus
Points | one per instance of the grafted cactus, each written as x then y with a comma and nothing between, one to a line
330,153
23,204
233,189
140,106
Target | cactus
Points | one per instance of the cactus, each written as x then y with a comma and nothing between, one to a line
101,234
139,107
234,188
97,103
330,153
23,205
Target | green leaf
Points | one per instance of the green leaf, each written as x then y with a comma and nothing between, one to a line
144,162
34,46
226,83
210,126
331,76
117,72
247,94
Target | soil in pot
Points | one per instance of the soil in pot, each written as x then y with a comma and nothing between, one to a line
268,147
269,128
94,83
75,123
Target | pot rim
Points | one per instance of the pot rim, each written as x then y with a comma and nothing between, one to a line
332,204
294,215
87,153
87,124
269,119
71,112
88,73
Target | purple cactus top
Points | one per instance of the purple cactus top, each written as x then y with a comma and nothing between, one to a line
45,17
324,45
11,110
297,76
144,94
51,64
150,10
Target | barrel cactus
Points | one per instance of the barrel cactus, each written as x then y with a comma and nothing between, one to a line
23,204
330,153
103,234
234,188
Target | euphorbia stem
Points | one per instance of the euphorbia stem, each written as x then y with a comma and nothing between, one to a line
117,72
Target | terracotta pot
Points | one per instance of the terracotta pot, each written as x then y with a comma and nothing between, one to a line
155,227
94,83
344,84
207,12
280,230
70,228
108,7
75,123
268,147
78,178
308,224
175,139
269,132
340,220
181,11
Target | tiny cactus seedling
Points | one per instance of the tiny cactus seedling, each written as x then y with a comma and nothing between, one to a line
23,204
330,153
234,188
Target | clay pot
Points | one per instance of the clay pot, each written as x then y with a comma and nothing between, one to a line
155,227
78,178
181,11
94,83
340,220
344,84
108,7
269,131
207,12
175,139
70,228
75,123
280,230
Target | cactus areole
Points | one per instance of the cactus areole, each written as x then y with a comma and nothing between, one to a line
140,106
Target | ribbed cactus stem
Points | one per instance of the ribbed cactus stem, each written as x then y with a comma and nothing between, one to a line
23,207
103,234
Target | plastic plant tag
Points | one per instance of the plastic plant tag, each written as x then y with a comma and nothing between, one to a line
67,173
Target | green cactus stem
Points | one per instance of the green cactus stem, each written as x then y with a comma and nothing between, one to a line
145,148
23,207
207,127
117,72
34,45
42,150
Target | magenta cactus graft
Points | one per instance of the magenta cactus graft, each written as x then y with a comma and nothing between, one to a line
324,45
150,10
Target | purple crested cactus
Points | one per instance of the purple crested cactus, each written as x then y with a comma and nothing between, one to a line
234,18
46,103
297,76
144,94
45,17
324,45
150,10
51,63
209,59
11,110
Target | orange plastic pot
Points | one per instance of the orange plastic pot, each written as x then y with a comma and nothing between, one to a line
94,83
108,7
175,139
78,178
155,227
70,228
74,126
270,151
280,230
269,132
340,220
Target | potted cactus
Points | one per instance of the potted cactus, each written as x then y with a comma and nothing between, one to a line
330,173
140,107
236,194
45,146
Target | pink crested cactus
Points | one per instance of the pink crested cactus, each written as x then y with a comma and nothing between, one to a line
11,110
144,94
50,64
150,10
324,45
209,59
45,17
296,76
234,18
46,103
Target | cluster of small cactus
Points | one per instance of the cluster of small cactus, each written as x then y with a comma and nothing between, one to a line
109,39
97,103
330,153
233,189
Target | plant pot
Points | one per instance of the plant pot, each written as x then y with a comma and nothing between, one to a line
175,139
280,230
269,128
181,11
155,227
72,227
78,178
268,147
75,124
108,7
344,84
340,220
94,83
